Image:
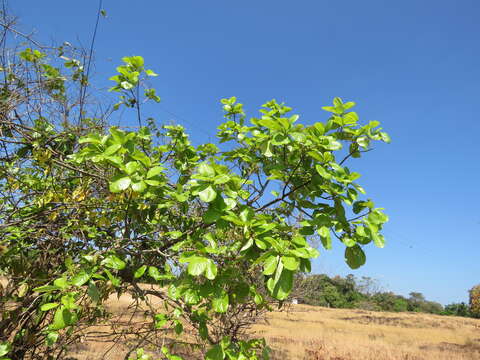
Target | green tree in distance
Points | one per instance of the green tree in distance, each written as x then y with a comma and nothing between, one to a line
88,210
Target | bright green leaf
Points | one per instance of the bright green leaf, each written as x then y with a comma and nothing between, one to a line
290,263
197,265
119,183
114,262
81,278
324,233
6,347
211,270
208,194
61,283
140,271
46,307
220,303
270,265
139,186
283,286
112,149
206,170
154,171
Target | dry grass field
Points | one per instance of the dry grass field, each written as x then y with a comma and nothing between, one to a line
315,333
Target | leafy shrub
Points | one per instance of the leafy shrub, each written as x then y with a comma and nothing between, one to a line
89,210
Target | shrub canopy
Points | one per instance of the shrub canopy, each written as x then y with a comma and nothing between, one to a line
88,210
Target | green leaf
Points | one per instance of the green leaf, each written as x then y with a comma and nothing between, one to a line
283,286
52,338
197,265
266,149
322,172
340,212
61,283
91,138
139,186
385,137
69,301
46,288
178,327
280,139
114,262
355,257
191,297
140,271
120,183
270,265
175,234
350,118
378,239
131,167
6,347
112,149
93,292
324,233
154,273
337,101
140,156
260,244
160,320
312,252
222,179
305,265
246,215
115,280
135,61
329,109
152,182
62,318
299,240
48,306
215,353
247,245
126,85
348,241
360,231
154,171
208,194
363,141
211,270
220,303
376,217
150,72
81,278
290,263
206,170
212,215
258,299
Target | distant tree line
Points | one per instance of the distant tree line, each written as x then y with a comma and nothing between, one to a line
366,293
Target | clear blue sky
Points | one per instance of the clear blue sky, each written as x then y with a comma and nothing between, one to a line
412,64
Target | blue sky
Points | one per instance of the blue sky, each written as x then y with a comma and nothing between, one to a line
413,65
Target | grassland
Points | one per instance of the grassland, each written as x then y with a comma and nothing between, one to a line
315,333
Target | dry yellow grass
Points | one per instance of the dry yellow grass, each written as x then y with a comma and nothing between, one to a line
315,333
